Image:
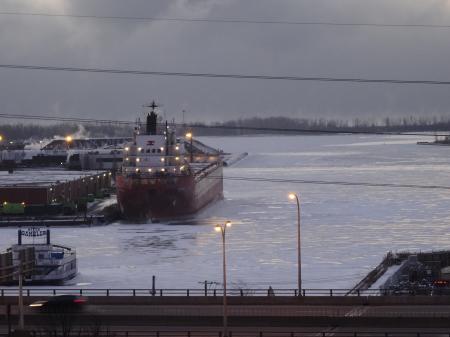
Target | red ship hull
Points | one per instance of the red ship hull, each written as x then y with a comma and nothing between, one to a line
142,198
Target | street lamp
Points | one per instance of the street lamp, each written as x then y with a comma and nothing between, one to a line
294,196
222,229
189,136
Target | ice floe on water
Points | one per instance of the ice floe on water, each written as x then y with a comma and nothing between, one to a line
346,230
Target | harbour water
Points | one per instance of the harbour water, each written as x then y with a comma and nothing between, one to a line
346,229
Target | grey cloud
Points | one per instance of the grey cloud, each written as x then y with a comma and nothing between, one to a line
412,53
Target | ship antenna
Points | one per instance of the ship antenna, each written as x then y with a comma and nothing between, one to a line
151,105
167,139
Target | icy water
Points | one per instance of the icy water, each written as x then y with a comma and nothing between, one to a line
346,230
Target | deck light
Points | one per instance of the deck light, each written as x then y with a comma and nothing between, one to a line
69,139
162,159
127,149
177,147
1,138
162,149
291,196
138,160
149,170
163,170
177,158
191,150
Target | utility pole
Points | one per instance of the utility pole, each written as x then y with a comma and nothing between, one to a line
21,320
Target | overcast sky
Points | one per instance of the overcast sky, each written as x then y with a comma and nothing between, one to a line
292,50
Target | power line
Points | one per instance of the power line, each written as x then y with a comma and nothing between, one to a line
215,75
327,182
224,127
323,182
231,21
65,119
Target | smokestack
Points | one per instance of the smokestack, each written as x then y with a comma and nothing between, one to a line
151,123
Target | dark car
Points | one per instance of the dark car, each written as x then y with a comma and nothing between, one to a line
61,304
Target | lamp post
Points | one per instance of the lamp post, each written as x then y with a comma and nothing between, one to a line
294,196
189,136
222,229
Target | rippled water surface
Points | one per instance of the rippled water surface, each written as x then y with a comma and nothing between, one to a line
346,229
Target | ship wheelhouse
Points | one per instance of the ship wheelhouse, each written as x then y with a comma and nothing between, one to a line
155,151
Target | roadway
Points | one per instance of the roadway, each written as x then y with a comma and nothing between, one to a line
250,316
407,316
405,311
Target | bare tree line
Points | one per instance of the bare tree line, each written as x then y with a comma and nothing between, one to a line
404,124
33,132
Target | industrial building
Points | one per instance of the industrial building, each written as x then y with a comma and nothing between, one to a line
33,188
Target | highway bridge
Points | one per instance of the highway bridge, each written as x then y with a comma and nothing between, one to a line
149,314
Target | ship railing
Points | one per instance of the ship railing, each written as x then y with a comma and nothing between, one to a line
40,291
155,173
203,171
143,155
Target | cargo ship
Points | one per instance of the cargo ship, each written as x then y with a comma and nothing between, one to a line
165,176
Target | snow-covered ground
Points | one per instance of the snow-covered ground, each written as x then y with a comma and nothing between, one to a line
346,230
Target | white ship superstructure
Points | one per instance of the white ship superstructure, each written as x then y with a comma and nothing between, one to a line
41,263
